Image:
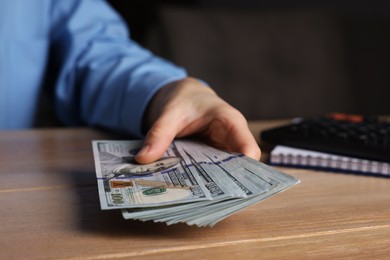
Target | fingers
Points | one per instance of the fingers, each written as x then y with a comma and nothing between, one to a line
240,139
248,147
182,109
245,142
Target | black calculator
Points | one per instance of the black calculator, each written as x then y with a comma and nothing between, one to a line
365,137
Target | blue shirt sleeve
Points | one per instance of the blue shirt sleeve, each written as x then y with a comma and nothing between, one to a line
105,78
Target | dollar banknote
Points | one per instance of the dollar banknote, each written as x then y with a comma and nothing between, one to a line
192,183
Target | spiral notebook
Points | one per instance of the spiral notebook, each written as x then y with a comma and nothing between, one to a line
296,157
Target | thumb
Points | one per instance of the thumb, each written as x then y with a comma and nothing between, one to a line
158,139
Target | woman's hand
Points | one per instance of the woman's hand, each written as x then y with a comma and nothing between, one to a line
187,107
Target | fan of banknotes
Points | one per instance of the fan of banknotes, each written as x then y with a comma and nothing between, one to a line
192,183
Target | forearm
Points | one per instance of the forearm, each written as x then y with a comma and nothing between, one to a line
105,79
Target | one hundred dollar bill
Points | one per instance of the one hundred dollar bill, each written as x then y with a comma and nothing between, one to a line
125,184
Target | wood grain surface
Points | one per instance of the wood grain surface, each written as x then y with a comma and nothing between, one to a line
50,209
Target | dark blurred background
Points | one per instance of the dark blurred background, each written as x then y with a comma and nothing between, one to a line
275,59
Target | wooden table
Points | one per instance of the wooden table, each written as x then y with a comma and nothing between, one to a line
50,209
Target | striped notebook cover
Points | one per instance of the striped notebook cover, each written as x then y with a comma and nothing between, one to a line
295,157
